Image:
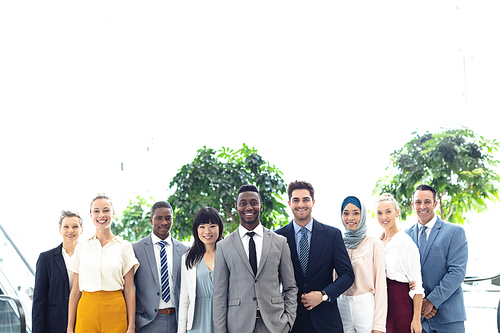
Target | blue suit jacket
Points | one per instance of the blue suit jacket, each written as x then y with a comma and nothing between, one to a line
327,252
147,282
51,294
443,263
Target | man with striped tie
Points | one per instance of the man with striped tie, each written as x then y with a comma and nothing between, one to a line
158,282
317,249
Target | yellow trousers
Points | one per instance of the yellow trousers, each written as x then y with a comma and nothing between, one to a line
101,312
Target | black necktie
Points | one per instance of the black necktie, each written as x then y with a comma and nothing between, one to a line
252,254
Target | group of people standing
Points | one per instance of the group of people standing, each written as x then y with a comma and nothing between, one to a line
305,277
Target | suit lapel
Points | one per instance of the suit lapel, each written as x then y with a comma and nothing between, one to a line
432,237
238,245
289,233
59,260
266,247
150,255
175,257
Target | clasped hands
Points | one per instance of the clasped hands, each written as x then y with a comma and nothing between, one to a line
311,299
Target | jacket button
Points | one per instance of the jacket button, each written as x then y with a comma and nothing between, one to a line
255,298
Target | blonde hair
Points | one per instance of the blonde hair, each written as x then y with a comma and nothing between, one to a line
389,198
101,196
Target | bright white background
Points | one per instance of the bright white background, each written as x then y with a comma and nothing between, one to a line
325,90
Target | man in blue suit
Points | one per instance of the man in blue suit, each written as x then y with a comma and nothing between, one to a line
443,258
317,249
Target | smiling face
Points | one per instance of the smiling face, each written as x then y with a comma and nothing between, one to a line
102,213
162,222
424,205
70,229
249,207
351,215
387,214
208,233
301,204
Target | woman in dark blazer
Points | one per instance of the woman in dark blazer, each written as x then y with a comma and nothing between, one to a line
53,280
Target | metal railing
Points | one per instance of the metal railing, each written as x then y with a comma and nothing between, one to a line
17,308
494,280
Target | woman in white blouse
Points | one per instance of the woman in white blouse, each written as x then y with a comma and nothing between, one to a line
103,296
197,278
363,307
402,262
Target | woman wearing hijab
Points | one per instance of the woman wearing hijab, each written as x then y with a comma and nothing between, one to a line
363,307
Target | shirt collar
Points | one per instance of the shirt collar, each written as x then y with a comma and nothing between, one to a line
157,239
308,226
429,224
259,230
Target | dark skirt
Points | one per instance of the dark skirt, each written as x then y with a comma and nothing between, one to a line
399,307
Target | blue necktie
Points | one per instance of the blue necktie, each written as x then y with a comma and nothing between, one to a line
304,250
422,239
165,287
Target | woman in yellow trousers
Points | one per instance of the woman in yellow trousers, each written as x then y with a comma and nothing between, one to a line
102,298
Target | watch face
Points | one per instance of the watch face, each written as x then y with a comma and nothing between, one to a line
325,298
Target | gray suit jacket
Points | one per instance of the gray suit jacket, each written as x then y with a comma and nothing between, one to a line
147,282
237,291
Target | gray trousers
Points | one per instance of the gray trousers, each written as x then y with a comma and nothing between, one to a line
162,323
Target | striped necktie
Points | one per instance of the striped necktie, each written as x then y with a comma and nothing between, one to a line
422,240
304,250
165,287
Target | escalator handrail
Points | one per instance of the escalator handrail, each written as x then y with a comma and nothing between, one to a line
477,279
17,250
22,317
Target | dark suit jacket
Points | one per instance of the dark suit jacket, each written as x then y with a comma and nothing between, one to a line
444,262
327,252
51,294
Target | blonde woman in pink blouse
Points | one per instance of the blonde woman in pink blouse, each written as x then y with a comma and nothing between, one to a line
363,307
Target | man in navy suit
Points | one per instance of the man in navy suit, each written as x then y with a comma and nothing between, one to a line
317,249
443,258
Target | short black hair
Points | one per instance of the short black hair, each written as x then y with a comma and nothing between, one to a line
423,187
300,185
160,204
248,188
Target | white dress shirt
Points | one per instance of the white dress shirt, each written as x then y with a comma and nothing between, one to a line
170,258
67,262
429,226
257,238
402,261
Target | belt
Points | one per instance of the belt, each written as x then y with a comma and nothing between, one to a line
167,311
258,315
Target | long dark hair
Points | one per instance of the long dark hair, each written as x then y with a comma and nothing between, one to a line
206,215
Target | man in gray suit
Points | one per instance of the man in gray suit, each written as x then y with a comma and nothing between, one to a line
158,279
250,264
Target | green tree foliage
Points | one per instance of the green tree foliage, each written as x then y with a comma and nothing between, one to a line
213,178
458,163
134,222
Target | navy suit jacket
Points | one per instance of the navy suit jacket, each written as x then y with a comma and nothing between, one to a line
327,252
443,263
51,294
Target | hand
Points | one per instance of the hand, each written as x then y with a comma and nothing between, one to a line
311,299
413,284
428,309
416,326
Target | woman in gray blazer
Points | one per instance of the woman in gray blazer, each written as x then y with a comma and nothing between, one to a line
197,284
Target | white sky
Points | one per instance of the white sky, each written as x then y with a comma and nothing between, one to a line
325,90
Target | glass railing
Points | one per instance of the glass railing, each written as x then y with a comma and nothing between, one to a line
16,276
482,300
12,318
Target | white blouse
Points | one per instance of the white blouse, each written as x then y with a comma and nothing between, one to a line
402,261
103,267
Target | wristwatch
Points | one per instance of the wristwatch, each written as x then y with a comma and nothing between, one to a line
325,297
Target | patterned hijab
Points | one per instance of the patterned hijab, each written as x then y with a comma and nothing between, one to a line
352,238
